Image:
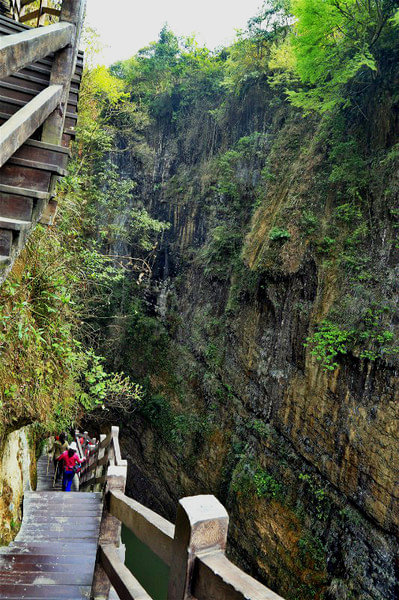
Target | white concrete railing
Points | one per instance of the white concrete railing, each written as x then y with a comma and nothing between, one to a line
193,548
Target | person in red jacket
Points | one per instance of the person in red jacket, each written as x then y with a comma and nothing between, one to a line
70,458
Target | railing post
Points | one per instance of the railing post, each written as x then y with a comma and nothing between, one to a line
110,532
201,526
63,69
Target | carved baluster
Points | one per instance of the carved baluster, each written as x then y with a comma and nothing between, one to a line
201,526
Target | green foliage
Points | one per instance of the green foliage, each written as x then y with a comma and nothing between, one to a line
249,478
318,496
329,342
370,337
279,234
248,58
216,256
46,374
144,229
265,485
313,551
171,75
309,222
176,429
336,43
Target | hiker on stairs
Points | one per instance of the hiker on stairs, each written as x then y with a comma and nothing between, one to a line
59,446
70,458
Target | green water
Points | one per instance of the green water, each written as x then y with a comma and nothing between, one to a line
148,569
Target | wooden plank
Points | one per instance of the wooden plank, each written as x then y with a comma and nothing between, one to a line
6,189
37,165
14,224
36,69
47,10
20,176
28,81
20,49
60,547
39,564
20,126
83,498
47,578
49,592
94,481
126,585
28,561
11,104
13,90
33,14
26,2
18,207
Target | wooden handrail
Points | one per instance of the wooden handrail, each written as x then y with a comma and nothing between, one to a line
21,125
216,578
194,548
152,529
126,585
20,49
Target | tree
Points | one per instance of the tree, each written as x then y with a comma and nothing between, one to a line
336,43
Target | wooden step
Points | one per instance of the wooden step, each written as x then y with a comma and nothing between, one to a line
10,105
35,164
7,189
18,91
50,592
27,81
13,225
16,176
44,153
16,207
13,90
50,577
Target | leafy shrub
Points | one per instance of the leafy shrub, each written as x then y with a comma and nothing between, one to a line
328,342
279,234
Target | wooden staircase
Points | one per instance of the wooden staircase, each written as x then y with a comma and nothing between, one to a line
29,93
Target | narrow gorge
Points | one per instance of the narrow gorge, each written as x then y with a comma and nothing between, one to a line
242,222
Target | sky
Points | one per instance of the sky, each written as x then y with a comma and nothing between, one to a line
125,26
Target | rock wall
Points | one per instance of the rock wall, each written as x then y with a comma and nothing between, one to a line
15,479
268,241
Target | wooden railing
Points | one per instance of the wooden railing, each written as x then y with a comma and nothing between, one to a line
21,49
193,548
40,73
100,456
33,12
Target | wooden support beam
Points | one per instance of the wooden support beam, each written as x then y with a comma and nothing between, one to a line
5,242
64,65
126,585
21,125
20,49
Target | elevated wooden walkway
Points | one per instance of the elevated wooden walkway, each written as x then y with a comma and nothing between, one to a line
40,75
67,548
54,553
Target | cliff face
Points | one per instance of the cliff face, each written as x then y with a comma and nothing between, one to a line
15,479
274,374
